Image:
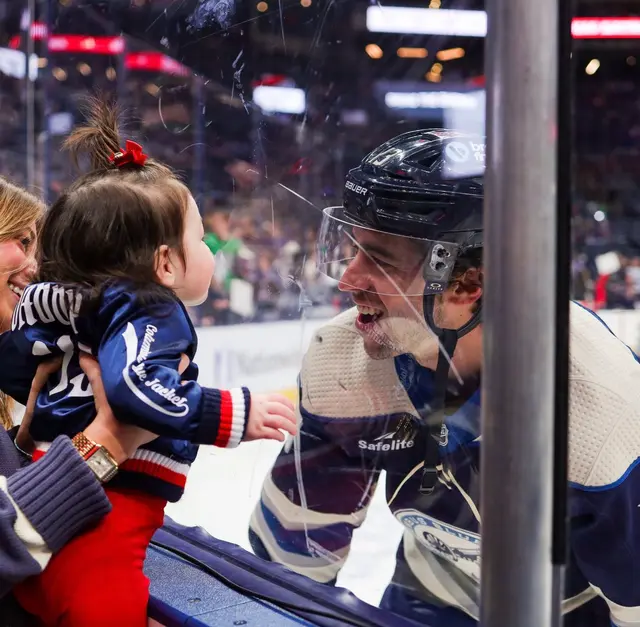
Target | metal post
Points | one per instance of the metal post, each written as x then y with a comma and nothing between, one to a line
560,529
519,313
30,97
199,143
122,93
44,138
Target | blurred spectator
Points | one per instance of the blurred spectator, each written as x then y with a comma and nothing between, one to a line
620,287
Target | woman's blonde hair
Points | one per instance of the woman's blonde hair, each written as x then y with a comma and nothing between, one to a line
19,210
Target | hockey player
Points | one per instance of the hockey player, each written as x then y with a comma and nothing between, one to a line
394,384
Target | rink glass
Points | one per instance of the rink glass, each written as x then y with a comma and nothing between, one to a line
263,107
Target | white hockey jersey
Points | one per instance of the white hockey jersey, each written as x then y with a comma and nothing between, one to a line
352,410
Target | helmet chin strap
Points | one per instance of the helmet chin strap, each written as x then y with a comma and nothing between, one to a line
433,419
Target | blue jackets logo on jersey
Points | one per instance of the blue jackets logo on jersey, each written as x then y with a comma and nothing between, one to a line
455,545
148,339
131,342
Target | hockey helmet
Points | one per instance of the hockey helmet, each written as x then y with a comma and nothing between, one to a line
419,198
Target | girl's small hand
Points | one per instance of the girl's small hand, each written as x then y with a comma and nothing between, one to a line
269,414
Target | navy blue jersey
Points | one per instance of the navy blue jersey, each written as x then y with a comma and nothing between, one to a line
354,413
139,349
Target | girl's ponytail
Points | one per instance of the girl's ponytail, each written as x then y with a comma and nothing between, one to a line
99,138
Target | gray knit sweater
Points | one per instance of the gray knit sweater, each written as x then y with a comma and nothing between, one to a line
58,495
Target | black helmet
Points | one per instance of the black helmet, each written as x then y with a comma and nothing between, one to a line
425,186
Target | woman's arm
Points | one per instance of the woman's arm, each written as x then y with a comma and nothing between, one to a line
44,505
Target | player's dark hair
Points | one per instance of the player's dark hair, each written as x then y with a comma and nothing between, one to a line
462,278
109,224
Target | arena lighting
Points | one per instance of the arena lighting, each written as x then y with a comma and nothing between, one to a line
12,63
59,74
73,43
412,53
430,100
143,61
464,23
592,67
606,28
272,80
38,30
374,51
84,69
87,45
280,99
421,21
155,62
450,54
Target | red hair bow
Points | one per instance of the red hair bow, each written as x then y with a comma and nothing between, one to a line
131,154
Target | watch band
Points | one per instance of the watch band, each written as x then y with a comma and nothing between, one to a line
84,445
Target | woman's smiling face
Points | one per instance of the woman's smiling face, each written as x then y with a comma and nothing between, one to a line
17,267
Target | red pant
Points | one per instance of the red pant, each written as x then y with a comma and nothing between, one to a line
97,579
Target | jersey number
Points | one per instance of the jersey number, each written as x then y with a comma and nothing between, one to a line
80,385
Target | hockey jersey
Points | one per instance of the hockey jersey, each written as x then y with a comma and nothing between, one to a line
354,412
139,349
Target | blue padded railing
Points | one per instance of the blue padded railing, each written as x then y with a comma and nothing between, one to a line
198,580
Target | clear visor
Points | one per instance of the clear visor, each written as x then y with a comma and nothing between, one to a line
365,259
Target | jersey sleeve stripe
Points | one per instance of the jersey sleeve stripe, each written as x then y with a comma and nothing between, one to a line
233,410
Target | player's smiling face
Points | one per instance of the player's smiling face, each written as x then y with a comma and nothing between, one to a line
386,284
385,279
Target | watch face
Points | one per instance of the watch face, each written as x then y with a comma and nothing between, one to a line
102,466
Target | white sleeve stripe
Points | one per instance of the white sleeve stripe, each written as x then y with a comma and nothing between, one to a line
622,616
238,418
32,540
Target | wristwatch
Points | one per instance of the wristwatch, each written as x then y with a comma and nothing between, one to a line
98,458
